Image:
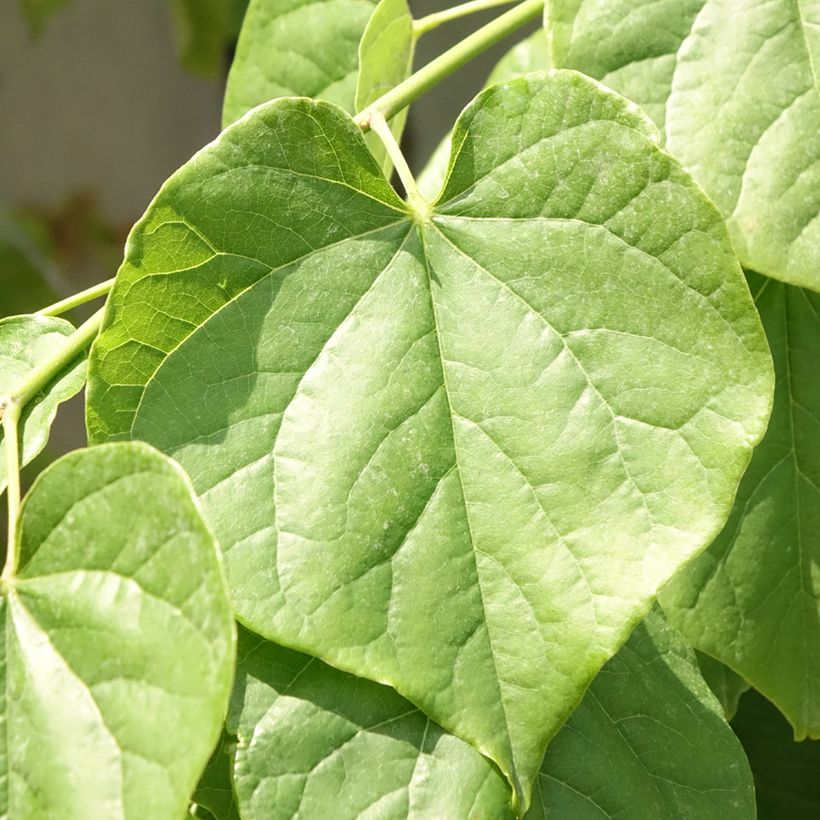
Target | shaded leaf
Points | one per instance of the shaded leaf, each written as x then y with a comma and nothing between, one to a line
734,86
119,643
214,792
727,685
23,273
785,772
647,741
24,342
752,599
476,518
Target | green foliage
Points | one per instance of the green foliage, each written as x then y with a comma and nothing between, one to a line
366,451
734,87
23,273
119,643
24,342
297,48
452,449
752,599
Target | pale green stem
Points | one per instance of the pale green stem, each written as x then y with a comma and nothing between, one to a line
451,60
437,18
11,409
11,417
77,299
417,202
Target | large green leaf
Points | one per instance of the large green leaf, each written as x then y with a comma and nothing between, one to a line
24,342
119,645
734,85
647,741
752,599
785,772
455,453
297,48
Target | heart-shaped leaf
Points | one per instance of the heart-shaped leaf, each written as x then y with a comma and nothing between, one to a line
457,452
647,736
752,599
734,86
24,342
119,642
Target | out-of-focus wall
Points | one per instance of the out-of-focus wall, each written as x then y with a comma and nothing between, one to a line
97,104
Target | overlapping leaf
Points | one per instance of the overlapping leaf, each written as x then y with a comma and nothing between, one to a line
24,342
118,656
752,600
647,741
734,86
727,685
455,453
347,52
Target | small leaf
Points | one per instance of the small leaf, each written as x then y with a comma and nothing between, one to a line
385,59
476,518
727,685
119,642
304,48
24,342
316,742
751,600
735,88
648,741
785,772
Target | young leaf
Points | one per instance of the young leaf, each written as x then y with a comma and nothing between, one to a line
735,88
297,48
316,742
476,518
727,685
119,642
752,599
648,741
385,59
24,342
785,772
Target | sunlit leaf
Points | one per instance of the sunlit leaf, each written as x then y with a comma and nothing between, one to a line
752,599
734,86
119,646
24,342
457,453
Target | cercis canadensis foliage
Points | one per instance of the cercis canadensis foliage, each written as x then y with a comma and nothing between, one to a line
477,470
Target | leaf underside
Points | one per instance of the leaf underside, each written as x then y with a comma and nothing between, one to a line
458,457
24,342
117,661
734,86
